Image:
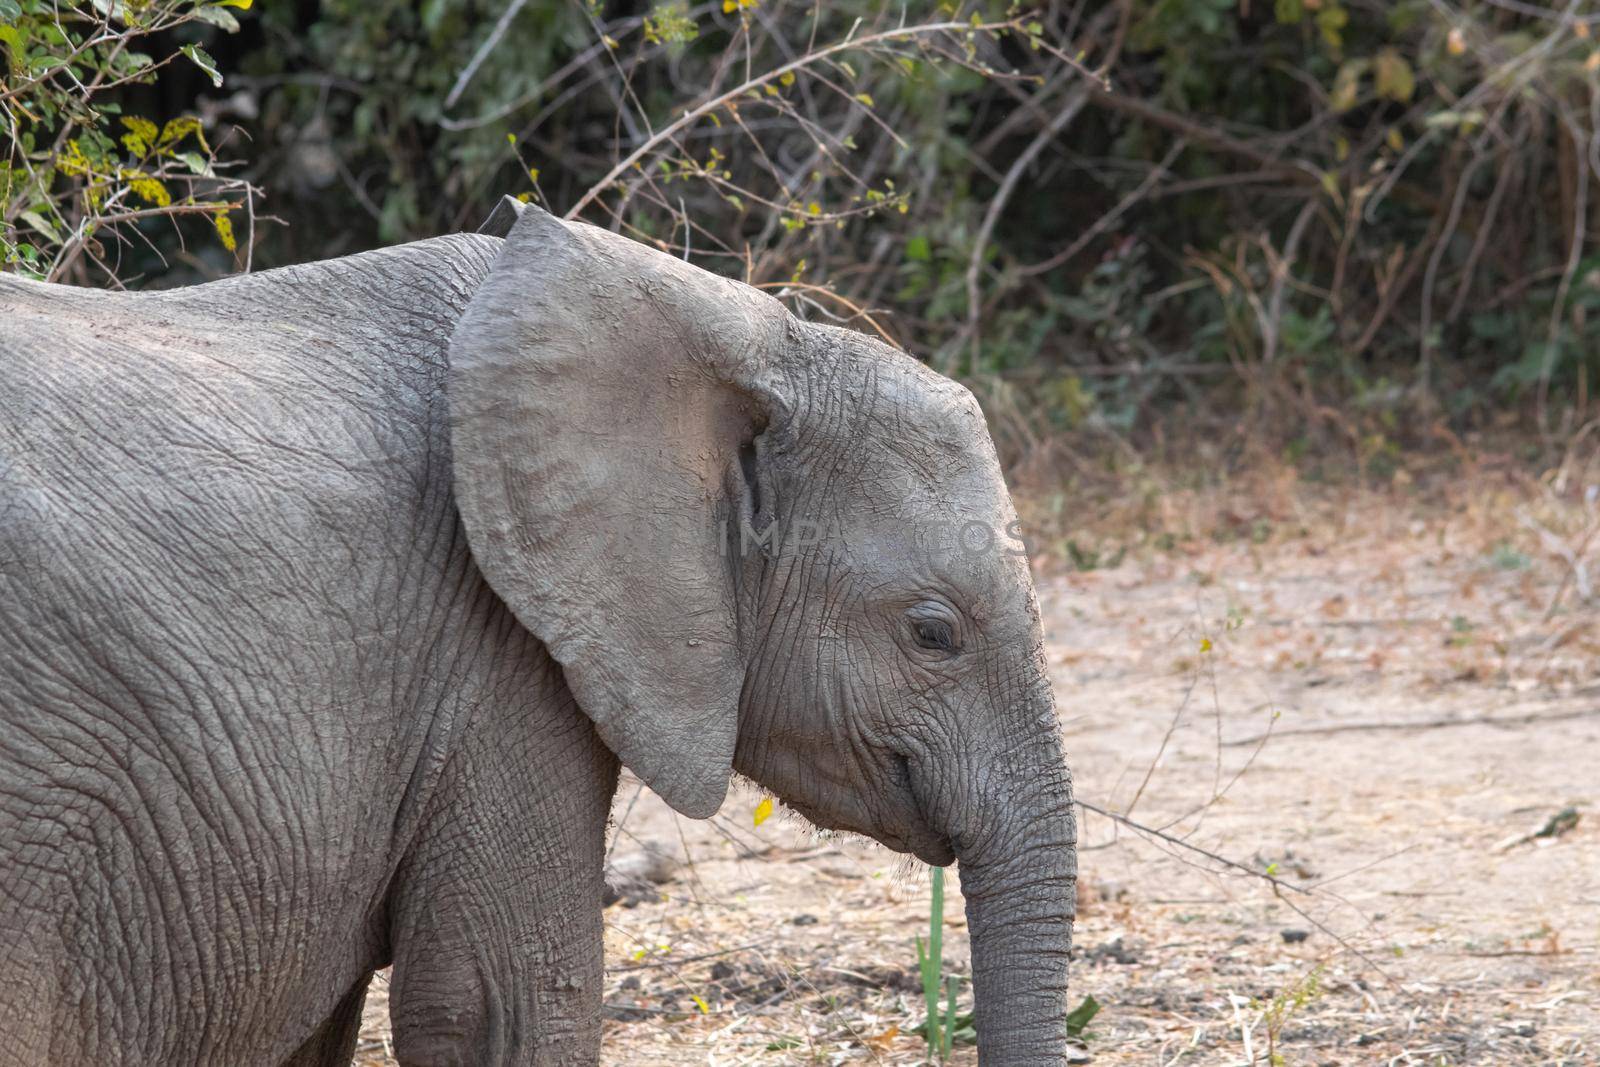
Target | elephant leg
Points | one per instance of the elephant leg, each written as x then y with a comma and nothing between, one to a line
334,1042
495,920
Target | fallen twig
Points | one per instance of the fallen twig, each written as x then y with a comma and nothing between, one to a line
1424,724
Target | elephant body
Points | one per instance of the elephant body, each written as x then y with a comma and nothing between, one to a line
332,598
222,791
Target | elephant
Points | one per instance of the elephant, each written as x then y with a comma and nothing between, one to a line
332,598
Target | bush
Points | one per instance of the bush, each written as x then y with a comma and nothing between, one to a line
81,172
1350,221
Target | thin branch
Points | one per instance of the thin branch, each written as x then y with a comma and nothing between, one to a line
1069,110
1109,219
1527,719
1276,882
695,114
500,27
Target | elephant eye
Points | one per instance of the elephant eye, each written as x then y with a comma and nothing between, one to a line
934,635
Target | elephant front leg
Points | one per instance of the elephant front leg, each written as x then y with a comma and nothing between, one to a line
496,919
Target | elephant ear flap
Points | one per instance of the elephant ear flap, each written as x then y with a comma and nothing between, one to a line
600,395
503,217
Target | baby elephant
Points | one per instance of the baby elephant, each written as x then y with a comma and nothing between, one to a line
332,597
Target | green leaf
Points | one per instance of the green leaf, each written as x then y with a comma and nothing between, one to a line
1078,1018
917,249
207,65
949,1016
41,224
218,16
10,10
11,37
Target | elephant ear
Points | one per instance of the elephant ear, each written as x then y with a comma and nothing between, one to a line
503,217
601,394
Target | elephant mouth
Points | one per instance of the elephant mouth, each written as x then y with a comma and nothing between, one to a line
897,821
920,839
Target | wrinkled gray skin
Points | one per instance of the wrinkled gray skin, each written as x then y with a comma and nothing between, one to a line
304,671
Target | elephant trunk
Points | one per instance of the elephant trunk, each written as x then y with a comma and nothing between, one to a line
1021,895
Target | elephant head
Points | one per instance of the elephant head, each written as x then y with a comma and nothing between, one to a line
760,544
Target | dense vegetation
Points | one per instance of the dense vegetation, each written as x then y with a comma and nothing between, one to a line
1342,223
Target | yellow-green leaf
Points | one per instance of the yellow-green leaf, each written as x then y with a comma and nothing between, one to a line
1393,76
1347,84
699,1002
1331,20
224,227
141,134
147,188
1205,644
177,129
763,810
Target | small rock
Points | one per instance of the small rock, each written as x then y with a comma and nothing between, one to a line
1115,951
721,971
805,920
632,876
630,983
1294,937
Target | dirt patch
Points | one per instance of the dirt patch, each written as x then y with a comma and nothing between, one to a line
1427,796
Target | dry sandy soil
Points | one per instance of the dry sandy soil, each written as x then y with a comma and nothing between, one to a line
1428,716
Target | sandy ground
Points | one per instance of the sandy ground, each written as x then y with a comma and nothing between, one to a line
1427,713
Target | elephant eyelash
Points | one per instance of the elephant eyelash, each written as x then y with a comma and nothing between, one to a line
752,476
935,635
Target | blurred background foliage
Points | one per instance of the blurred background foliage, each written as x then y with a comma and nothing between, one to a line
1328,225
